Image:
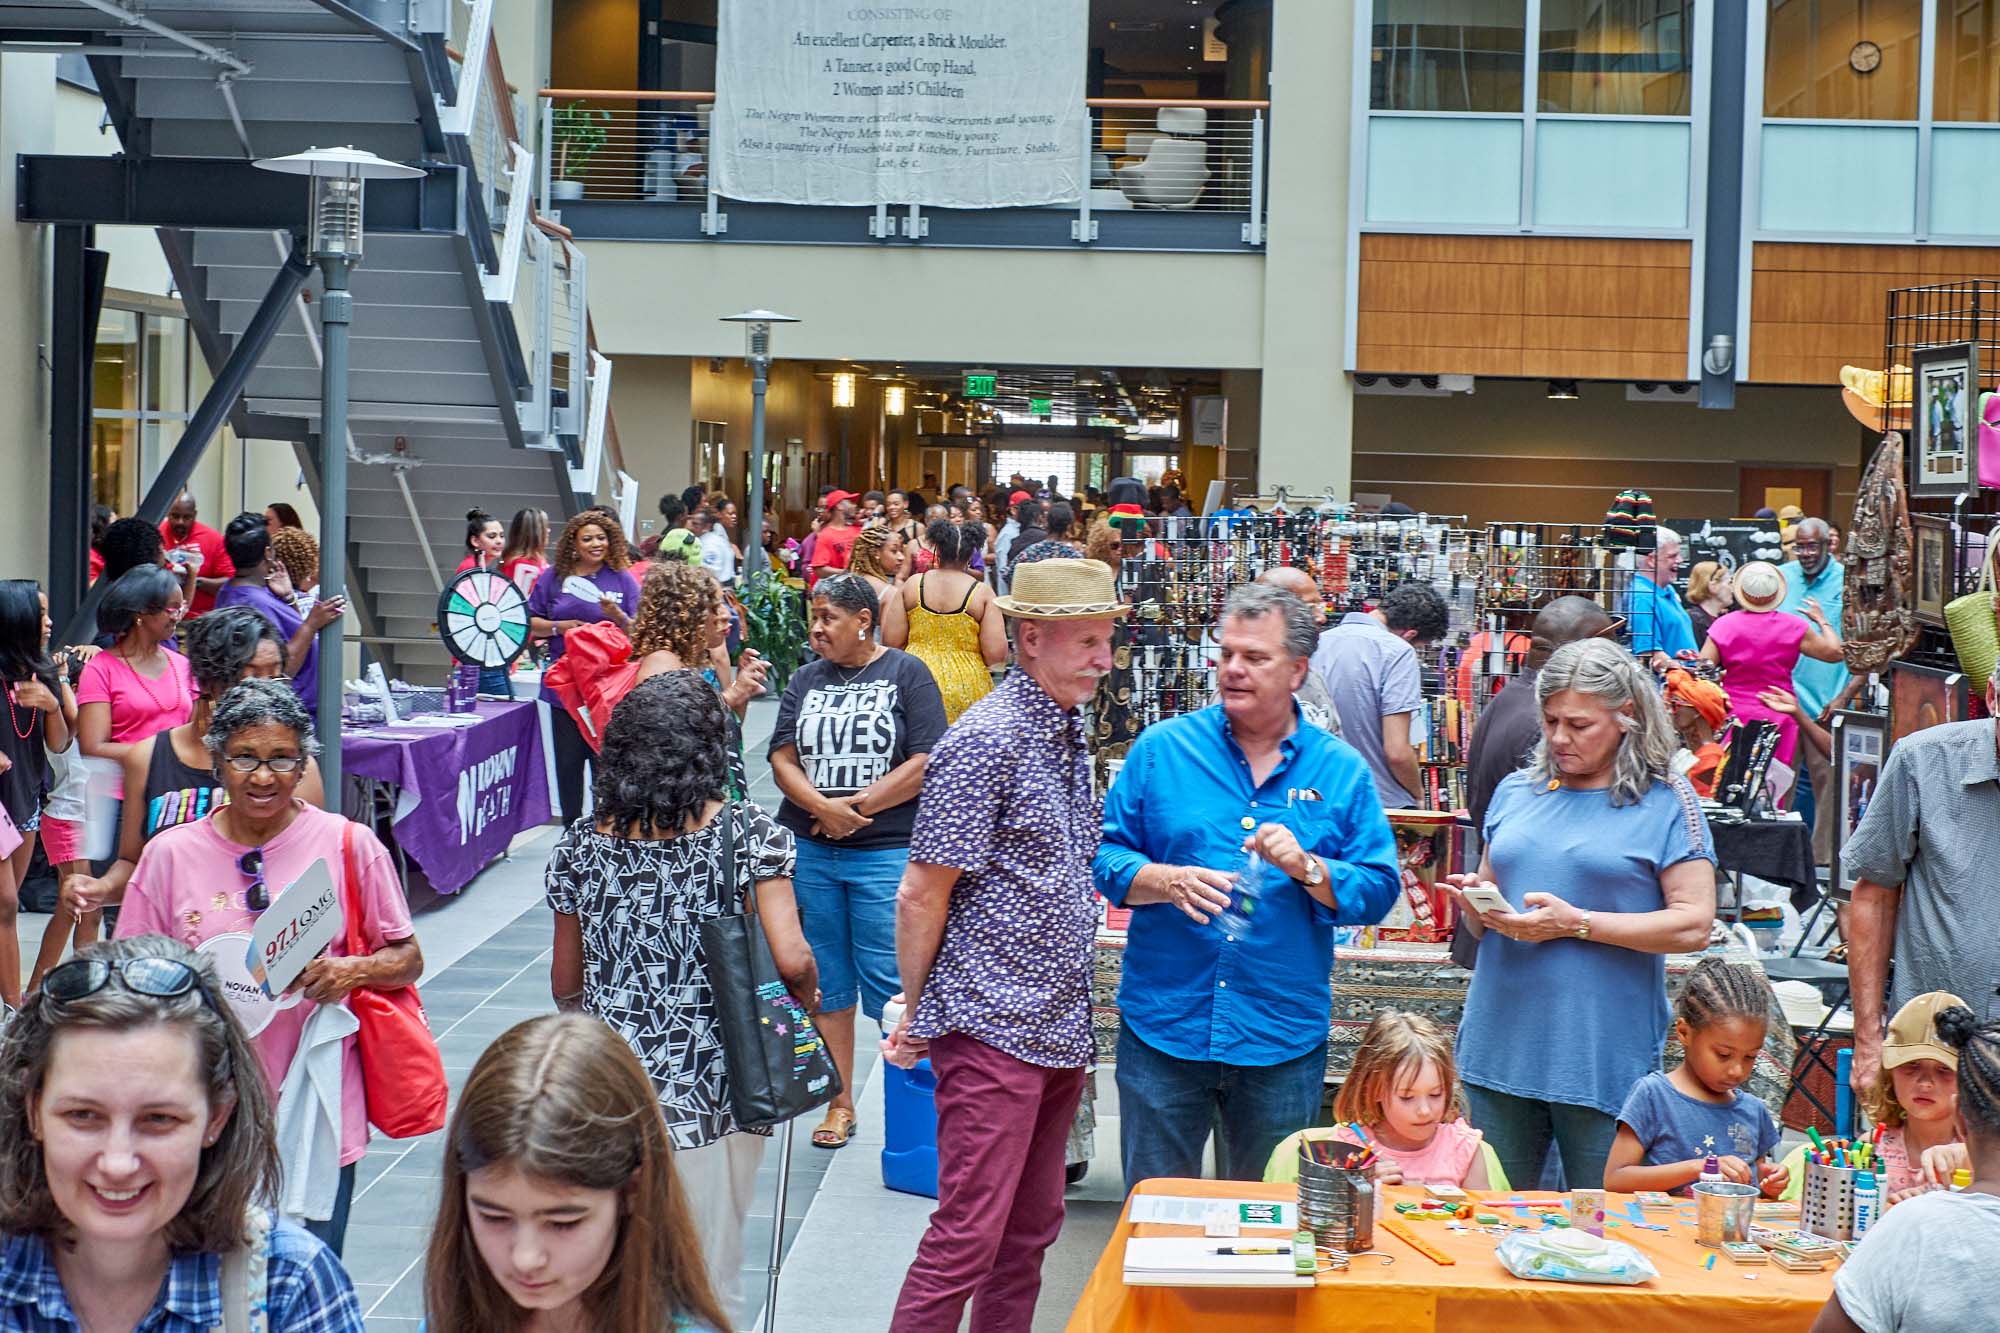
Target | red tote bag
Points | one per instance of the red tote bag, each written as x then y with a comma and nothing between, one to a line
402,1073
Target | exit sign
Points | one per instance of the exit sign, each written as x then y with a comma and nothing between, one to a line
980,386
1041,407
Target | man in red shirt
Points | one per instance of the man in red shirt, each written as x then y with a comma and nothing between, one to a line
190,542
836,538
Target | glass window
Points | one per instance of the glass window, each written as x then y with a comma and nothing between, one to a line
1464,56
1968,61
1843,59
1616,57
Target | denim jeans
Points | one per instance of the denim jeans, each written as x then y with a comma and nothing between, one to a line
333,1231
1520,1129
847,907
1167,1106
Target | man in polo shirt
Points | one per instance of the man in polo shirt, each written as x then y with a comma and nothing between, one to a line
1369,664
1925,855
1223,1018
192,543
1661,626
1813,574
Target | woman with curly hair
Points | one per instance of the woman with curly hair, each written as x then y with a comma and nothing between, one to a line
590,554
298,551
664,851
683,625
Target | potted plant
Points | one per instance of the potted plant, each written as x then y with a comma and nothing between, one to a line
579,134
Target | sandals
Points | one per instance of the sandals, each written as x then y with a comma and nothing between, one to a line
834,1131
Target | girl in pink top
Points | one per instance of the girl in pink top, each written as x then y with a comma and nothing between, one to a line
1759,646
1403,1092
138,687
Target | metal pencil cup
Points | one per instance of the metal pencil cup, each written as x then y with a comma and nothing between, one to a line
1723,1212
1335,1204
1826,1208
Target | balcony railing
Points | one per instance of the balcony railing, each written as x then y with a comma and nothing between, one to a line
1163,174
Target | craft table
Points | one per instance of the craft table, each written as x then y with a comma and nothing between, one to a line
462,794
1475,1294
1422,979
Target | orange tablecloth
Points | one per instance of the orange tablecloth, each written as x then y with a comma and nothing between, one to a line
1474,1295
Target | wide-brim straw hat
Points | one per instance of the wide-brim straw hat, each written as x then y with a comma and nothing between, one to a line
1062,590
1759,586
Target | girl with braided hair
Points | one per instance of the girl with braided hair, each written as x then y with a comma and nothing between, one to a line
1673,1123
1928,1264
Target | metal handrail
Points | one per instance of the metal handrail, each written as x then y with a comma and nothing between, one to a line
686,95
520,199
455,116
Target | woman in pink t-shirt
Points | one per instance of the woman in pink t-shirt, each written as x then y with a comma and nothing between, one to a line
139,687
205,884
1759,645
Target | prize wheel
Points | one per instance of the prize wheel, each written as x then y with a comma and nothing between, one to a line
483,618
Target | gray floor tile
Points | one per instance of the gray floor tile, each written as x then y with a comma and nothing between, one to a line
377,1254
403,1301
396,1198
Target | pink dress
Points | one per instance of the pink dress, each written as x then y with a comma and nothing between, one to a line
1898,1170
1758,651
1443,1161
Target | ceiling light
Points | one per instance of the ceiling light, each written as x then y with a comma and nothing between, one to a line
843,388
1562,391
893,400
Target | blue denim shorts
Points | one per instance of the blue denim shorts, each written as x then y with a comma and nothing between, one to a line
847,904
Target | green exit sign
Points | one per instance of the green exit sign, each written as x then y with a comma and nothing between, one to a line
1042,407
981,386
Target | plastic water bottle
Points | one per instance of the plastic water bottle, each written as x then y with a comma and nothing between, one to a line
1866,1200
1960,1178
1245,894
1711,1171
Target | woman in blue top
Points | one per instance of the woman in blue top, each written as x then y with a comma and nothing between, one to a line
591,549
560,1209
138,1161
1605,862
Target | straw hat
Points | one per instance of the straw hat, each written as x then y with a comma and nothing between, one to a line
1062,590
1759,586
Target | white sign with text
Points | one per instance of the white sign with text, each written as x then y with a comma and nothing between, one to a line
970,104
300,922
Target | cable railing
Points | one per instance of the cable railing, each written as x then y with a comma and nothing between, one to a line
1138,155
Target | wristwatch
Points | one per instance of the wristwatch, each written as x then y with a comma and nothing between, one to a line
1583,927
1315,872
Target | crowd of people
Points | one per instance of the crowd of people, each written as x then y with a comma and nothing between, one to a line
939,848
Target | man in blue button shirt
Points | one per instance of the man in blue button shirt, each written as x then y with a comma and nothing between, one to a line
1661,627
1226,1024
1814,575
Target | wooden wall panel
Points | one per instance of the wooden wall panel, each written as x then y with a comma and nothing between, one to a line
1815,308
1569,307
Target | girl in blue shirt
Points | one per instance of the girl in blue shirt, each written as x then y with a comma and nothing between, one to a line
557,1143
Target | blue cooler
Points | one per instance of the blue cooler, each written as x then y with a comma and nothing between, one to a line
909,1129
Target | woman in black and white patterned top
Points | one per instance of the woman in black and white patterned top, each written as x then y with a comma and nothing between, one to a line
631,888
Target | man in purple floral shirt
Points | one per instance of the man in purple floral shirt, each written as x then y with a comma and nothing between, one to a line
994,922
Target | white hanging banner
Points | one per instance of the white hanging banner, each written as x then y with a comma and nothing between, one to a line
971,104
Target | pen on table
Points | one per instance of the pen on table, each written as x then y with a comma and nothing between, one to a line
1255,1249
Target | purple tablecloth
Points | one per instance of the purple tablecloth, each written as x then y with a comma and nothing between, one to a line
465,792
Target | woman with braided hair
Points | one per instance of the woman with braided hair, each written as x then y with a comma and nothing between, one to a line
1928,1264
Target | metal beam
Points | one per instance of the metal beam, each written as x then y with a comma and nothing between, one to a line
133,19
221,194
78,295
215,406
1722,258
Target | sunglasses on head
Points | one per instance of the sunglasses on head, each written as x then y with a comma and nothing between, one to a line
257,897
162,978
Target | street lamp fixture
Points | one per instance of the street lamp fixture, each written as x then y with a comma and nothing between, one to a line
336,184
757,338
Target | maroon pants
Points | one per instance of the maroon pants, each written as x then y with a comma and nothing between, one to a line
1002,1128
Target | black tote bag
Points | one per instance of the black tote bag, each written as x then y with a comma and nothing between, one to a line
779,1067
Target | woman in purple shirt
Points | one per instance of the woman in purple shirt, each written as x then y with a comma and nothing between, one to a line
263,585
592,549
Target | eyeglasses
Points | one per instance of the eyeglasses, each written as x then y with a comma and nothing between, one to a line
257,897
281,764
162,978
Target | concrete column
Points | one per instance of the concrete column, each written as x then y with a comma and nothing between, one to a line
650,397
1306,427
27,100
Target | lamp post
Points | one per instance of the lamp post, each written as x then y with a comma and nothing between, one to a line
336,180
757,330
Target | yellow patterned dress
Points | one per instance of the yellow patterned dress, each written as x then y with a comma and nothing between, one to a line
948,643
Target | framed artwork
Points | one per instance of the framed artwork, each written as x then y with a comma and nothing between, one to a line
1945,382
1933,562
1921,696
1860,743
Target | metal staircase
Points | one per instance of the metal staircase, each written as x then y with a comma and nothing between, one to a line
473,380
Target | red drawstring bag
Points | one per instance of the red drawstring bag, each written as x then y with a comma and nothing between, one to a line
595,671
402,1073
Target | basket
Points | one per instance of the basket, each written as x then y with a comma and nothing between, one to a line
1826,1208
1335,1204
421,701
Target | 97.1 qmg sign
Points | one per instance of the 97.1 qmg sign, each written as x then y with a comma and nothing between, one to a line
974,104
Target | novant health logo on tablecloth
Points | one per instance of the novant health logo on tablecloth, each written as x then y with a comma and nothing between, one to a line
971,104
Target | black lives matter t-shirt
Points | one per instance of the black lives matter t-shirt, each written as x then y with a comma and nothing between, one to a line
852,727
